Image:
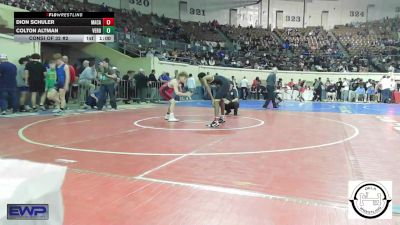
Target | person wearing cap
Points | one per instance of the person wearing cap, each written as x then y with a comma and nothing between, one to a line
107,78
8,85
35,73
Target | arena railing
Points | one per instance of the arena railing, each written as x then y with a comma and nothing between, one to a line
125,90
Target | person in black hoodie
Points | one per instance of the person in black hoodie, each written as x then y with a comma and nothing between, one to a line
271,83
152,83
141,85
339,85
126,86
317,89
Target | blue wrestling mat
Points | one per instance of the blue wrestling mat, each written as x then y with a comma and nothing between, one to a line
295,106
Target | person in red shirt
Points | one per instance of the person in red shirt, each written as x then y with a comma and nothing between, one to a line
302,88
257,85
291,85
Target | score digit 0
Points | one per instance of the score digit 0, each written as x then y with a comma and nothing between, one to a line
108,30
108,21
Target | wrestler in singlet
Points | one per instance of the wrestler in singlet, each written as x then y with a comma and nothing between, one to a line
166,92
61,77
222,86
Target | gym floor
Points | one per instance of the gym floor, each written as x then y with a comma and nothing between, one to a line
286,166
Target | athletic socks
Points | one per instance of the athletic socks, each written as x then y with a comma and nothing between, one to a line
166,116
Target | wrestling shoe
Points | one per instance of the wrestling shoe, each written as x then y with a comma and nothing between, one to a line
214,124
173,119
57,110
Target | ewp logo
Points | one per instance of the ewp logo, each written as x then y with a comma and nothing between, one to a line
27,211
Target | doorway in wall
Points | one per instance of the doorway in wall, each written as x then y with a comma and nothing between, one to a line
233,17
182,9
279,19
324,19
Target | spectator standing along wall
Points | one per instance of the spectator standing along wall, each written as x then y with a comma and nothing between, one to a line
8,85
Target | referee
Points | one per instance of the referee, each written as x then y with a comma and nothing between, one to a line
271,81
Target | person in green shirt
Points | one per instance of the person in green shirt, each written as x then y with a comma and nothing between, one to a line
107,77
51,77
50,84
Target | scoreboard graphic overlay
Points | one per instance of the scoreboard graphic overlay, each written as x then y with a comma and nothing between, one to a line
64,26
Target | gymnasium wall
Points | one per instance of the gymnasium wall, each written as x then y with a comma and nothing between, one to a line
342,11
196,10
291,9
118,59
248,16
15,50
339,11
170,67
7,15
314,12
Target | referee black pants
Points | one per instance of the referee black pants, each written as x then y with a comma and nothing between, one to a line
270,96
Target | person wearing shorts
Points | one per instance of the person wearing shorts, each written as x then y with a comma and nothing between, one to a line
167,91
35,73
8,85
23,89
63,78
50,86
222,85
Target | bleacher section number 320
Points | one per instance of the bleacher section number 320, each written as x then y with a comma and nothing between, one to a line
145,3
